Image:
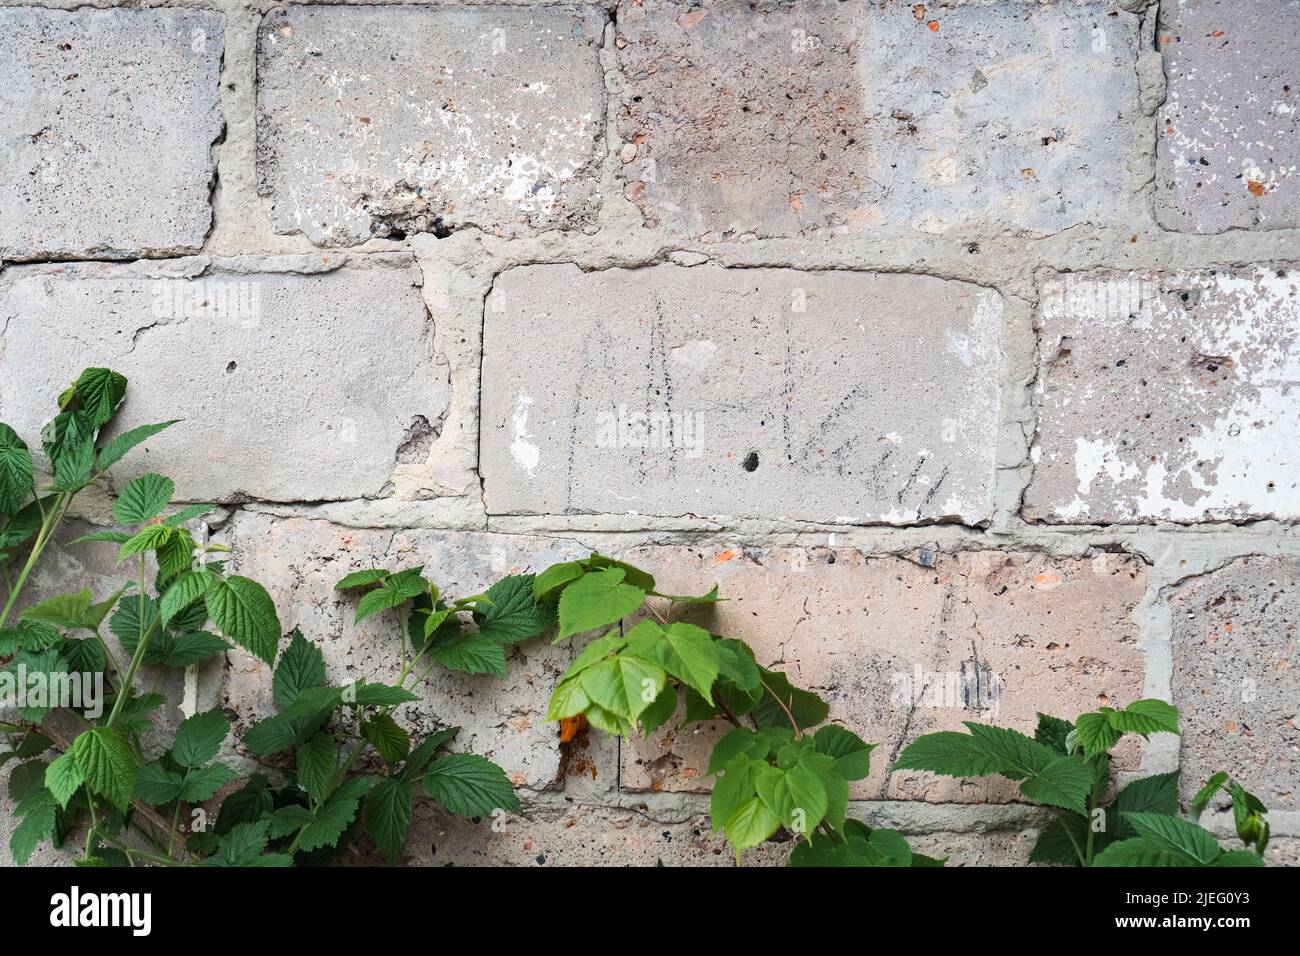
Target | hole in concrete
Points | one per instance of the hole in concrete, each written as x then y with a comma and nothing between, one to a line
751,461
230,367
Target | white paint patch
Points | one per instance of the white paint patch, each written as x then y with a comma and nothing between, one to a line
696,354
526,455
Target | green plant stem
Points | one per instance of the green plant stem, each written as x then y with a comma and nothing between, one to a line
49,524
337,779
127,682
1092,833
1078,851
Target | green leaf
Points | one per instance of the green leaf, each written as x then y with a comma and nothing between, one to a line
1053,732
336,815
150,538
363,694
547,584
363,578
1239,858
1145,717
134,716
114,451
750,824
243,846
243,611
155,785
567,700
710,598
808,709
302,666
683,650
203,783
318,761
1155,794
392,742
388,816
739,741
63,778
143,498
852,755
659,712
795,796
15,471
514,614
182,650
1175,835
1055,844
28,636
596,599
199,738
1207,792
634,575
735,786
105,761
1095,734
22,527
1139,852
69,441
419,757
65,610
470,653
393,591
950,753
248,804
189,587
49,664
470,785
187,514
100,392
624,685
112,537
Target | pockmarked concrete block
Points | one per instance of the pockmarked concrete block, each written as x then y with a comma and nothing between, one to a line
785,119
839,396
1168,397
293,386
403,119
901,647
1228,154
300,560
1236,644
107,119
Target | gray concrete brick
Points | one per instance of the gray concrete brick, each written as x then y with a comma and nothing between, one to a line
300,560
1228,154
1168,396
387,121
108,119
840,396
1236,642
784,119
293,386
902,647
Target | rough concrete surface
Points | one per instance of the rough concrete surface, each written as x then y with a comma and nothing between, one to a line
728,288
754,393
784,119
878,638
1236,643
1168,397
1229,154
107,119
383,122
291,384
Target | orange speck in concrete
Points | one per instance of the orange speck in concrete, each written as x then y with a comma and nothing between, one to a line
1256,187
1228,627
934,26
729,555
1230,727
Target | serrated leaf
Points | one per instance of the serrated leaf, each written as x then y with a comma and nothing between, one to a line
15,471
567,700
393,591
115,450
1095,734
388,816
596,599
470,785
64,610
470,653
514,615
548,584
336,815
143,498
1175,835
198,738
362,578
155,785
750,824
28,636
302,666
851,754
105,761
318,761
22,527
203,783
243,611
392,742
808,709
100,391
187,514
189,587
150,538
1145,717
63,778
709,598
624,685
794,795
39,814
683,650
419,757
182,650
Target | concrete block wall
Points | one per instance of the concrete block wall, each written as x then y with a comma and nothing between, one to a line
958,342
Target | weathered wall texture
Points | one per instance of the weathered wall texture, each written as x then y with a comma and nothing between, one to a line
958,342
